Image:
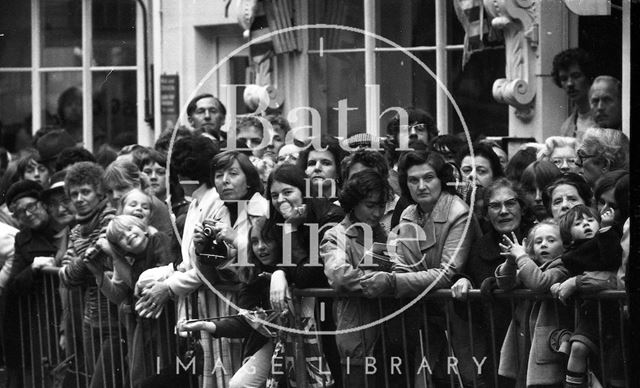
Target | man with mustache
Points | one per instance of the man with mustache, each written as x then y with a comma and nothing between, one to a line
572,71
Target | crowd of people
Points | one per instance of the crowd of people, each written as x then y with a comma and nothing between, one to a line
378,226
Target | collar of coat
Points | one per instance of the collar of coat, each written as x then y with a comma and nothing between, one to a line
440,212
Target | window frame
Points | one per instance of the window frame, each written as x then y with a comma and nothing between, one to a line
372,76
86,69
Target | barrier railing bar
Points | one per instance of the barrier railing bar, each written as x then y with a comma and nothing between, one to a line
601,345
405,352
494,351
471,341
40,359
383,338
625,354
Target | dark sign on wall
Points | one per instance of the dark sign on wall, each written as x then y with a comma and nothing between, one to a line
169,99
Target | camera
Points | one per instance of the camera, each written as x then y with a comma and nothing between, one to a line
94,253
214,251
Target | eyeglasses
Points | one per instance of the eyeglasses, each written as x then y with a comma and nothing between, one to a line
66,202
582,156
560,161
510,204
20,212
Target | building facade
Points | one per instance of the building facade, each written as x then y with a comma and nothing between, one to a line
119,71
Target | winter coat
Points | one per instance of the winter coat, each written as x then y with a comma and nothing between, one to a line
526,355
431,257
341,250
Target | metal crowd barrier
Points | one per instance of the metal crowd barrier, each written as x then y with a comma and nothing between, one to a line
618,350
52,309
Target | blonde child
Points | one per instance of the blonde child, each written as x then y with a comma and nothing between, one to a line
536,265
137,203
133,247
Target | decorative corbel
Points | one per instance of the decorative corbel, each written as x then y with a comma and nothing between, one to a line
517,20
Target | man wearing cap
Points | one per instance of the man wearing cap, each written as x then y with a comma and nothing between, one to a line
51,144
62,214
36,244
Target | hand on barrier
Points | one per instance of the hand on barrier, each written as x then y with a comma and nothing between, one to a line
375,284
487,287
279,294
42,261
461,288
154,296
564,290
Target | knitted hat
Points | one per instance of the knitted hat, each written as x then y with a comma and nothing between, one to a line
23,188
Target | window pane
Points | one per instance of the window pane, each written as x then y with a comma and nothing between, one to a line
114,32
15,110
471,90
404,83
408,23
114,108
61,26
334,77
348,13
62,102
15,44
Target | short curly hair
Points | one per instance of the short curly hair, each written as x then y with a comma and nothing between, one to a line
71,155
191,156
85,173
360,186
553,142
609,145
367,158
573,56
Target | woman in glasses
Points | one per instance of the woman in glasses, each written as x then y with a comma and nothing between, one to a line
560,151
602,150
506,211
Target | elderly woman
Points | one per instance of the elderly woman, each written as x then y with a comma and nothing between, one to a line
534,179
364,198
602,150
560,151
505,208
565,192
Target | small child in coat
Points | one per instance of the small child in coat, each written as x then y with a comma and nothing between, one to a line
536,265
592,245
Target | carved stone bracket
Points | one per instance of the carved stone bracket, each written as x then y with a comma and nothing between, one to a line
517,20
